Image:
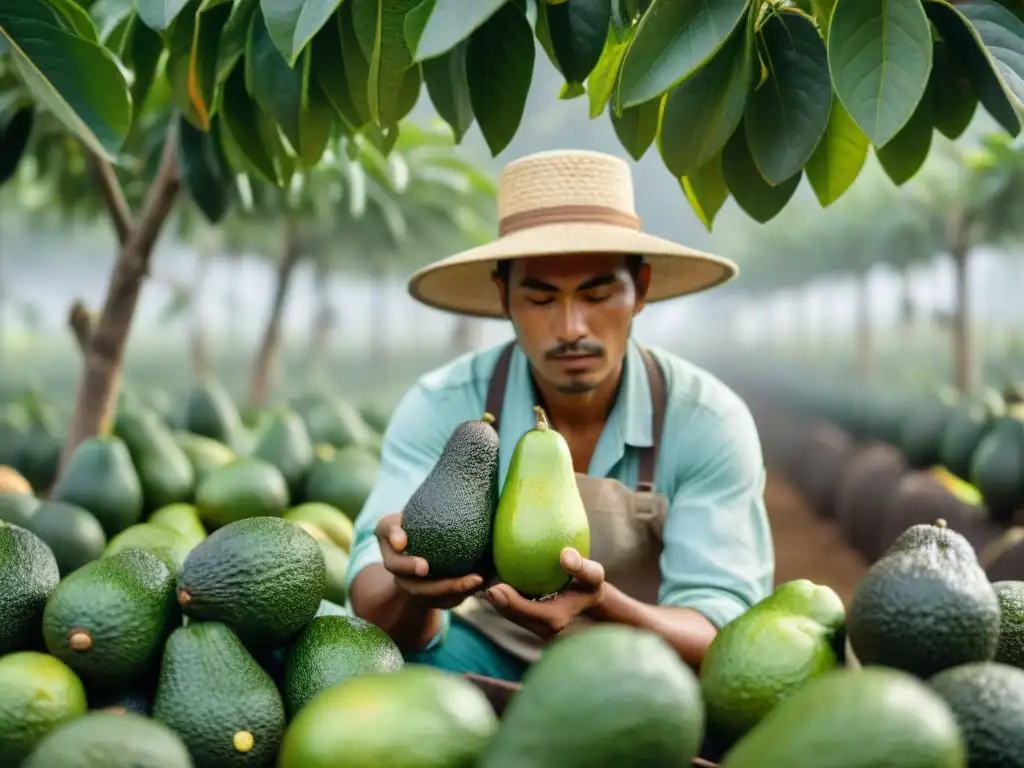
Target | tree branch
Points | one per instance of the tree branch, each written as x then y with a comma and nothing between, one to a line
113,197
161,198
80,323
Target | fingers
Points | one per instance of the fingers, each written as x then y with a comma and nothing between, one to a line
393,541
436,588
588,573
389,529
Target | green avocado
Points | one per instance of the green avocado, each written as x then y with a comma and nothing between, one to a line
165,472
284,442
1011,626
247,487
101,478
74,534
28,575
17,508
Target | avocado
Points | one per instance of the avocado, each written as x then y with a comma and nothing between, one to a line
971,420
987,700
334,421
18,508
284,442
165,472
137,698
74,534
215,696
330,520
101,478
332,649
766,653
344,480
39,455
204,453
109,619
210,412
1011,626
28,575
865,718
246,487
539,513
997,467
415,717
263,576
38,694
448,519
183,519
335,570
150,537
12,481
109,740
925,606
653,715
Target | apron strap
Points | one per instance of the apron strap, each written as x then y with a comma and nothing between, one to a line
659,403
499,381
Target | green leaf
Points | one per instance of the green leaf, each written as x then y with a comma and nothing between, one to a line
293,23
601,82
203,59
276,87
706,191
240,119
204,171
316,117
356,63
159,14
759,199
499,66
880,56
673,40
954,99
571,90
823,14
436,26
904,155
78,19
966,46
109,15
380,29
329,71
408,92
787,115
234,36
143,49
578,30
637,126
14,134
77,80
1002,32
839,157
702,113
448,88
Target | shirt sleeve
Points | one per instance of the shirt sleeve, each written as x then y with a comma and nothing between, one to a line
413,442
717,554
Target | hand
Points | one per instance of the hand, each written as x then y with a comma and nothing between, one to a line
411,573
546,619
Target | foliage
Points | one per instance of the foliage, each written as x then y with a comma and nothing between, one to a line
742,98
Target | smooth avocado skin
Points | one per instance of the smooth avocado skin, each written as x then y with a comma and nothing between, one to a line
925,607
539,514
108,740
415,717
566,714
101,478
73,534
330,650
263,576
108,620
215,696
1011,626
183,518
284,442
332,521
28,575
246,487
165,472
38,693
17,508
987,699
448,519
867,718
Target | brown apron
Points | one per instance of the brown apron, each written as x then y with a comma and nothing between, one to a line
625,525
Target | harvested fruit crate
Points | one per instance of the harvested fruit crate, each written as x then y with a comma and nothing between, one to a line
500,692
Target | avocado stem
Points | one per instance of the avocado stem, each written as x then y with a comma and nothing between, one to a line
940,523
488,418
79,641
243,741
184,598
542,418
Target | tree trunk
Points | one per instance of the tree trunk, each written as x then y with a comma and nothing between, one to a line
865,357
324,320
103,353
266,359
964,373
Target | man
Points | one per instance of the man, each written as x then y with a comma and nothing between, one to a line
668,459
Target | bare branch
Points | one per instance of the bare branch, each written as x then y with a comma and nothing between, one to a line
161,198
113,197
80,323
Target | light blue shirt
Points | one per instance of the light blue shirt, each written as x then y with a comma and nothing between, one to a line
717,556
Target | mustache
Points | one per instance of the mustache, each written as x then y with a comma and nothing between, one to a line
575,348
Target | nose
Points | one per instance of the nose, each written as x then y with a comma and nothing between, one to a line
571,322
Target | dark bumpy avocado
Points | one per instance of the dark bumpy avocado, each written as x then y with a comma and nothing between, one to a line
449,518
1011,627
28,574
925,606
263,576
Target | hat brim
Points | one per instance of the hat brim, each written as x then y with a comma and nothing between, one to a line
461,283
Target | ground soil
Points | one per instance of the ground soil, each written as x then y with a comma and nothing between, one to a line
806,545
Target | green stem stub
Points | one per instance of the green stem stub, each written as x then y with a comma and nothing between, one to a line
542,418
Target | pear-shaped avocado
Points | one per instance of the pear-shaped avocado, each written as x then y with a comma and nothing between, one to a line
210,412
539,514
165,472
448,519
971,420
997,468
247,487
101,478
342,479
204,453
284,442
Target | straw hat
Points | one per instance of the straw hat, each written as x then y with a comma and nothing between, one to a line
559,202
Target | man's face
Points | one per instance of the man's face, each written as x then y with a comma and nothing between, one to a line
573,315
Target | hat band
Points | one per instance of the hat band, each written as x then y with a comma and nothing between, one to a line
568,214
